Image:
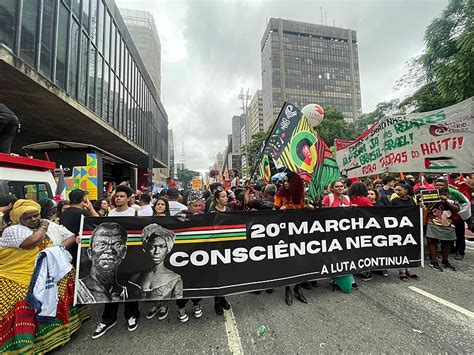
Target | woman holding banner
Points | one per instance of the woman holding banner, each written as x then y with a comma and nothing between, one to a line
291,196
358,195
336,198
220,199
20,330
404,196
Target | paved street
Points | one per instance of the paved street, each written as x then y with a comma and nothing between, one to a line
384,315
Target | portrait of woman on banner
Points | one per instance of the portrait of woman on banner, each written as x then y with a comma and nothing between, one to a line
158,282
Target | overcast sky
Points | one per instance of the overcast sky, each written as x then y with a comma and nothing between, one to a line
211,49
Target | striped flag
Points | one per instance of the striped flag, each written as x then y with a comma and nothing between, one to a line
439,163
60,194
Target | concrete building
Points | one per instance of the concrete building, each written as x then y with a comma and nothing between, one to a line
237,123
255,114
219,161
70,70
305,63
172,166
141,26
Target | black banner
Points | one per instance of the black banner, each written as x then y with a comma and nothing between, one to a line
150,258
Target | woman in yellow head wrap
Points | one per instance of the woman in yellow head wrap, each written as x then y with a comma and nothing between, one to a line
20,244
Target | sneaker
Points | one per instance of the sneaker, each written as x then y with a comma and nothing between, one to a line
152,312
447,265
163,312
101,329
459,256
197,311
355,286
132,324
225,304
219,309
366,276
435,266
183,318
384,273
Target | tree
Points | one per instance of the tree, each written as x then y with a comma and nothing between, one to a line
332,126
252,150
185,176
444,73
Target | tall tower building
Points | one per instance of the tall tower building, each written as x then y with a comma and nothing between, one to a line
172,169
141,26
237,123
306,63
256,114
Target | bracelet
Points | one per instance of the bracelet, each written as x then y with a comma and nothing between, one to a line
44,227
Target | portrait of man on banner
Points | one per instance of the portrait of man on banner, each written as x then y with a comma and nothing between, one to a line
108,247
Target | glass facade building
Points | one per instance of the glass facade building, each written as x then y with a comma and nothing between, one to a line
305,63
84,48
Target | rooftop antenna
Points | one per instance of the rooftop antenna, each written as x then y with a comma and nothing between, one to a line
325,17
334,22
322,19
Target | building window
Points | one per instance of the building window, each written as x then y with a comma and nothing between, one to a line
100,27
107,38
105,100
93,15
76,7
61,53
83,72
73,58
92,84
8,10
29,18
99,85
85,15
47,37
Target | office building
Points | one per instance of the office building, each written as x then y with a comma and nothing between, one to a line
237,123
255,113
305,63
141,26
70,70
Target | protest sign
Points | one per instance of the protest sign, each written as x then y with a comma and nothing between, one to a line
151,258
429,196
196,183
436,141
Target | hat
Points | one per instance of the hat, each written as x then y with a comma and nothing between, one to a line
173,192
77,195
20,207
195,195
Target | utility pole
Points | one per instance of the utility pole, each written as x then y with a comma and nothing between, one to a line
245,98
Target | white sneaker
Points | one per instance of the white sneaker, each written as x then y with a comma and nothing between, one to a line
101,329
132,324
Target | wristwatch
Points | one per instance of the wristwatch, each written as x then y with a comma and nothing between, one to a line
44,227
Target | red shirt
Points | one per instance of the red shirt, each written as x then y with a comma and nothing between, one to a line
337,202
361,201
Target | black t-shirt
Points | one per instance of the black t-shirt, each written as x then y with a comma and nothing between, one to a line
385,196
214,209
71,219
397,201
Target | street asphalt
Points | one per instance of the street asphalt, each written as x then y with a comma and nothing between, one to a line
432,315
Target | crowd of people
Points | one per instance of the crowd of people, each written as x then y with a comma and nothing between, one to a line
27,228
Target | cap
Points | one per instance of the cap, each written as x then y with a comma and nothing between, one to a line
77,194
195,195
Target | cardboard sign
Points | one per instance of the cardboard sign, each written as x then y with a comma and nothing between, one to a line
430,196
